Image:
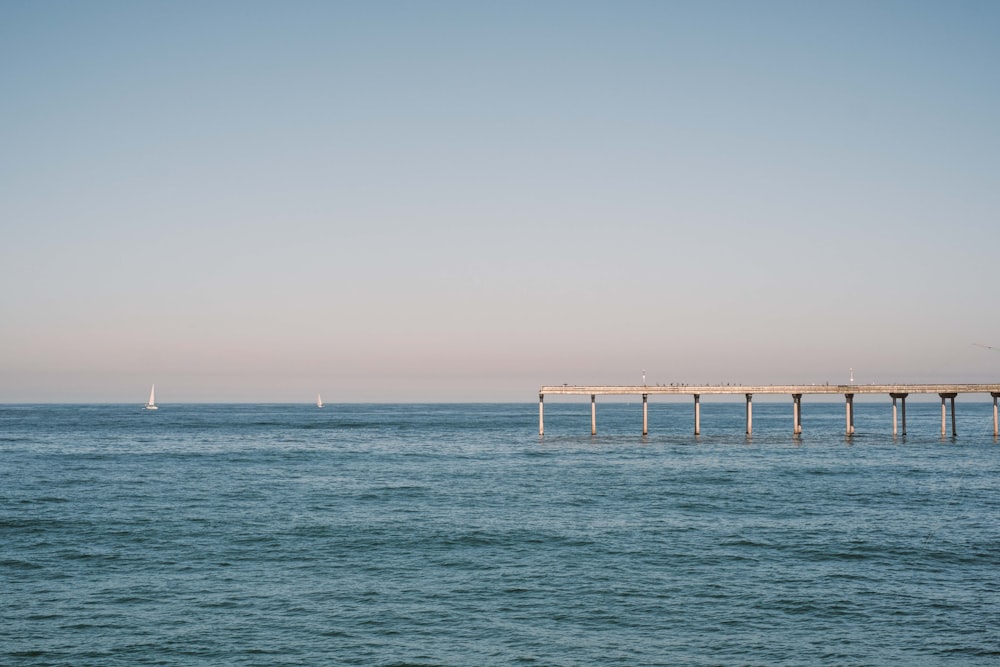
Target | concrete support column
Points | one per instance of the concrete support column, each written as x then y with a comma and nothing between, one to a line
902,404
645,415
697,414
541,414
954,431
951,396
749,414
996,422
894,424
902,398
797,414
942,415
593,414
849,406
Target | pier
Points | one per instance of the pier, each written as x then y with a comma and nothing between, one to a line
897,392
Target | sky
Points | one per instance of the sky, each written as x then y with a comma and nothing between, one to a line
462,201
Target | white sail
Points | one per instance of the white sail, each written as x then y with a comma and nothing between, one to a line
152,399
319,401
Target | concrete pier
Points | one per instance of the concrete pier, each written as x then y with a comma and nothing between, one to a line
896,392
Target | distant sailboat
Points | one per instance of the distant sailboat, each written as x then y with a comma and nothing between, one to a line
152,399
319,401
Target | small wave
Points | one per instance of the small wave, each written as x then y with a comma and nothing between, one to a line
16,564
43,499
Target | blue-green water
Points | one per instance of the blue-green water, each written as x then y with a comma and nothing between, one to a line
454,535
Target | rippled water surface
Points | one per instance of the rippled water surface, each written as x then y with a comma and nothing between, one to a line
454,535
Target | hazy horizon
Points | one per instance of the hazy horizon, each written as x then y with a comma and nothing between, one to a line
451,202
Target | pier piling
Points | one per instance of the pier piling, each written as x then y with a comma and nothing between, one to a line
593,414
796,414
948,395
902,399
697,413
645,415
541,414
996,422
850,413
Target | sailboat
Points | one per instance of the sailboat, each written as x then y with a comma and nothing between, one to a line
152,399
319,401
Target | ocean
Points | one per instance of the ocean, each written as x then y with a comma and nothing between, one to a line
455,535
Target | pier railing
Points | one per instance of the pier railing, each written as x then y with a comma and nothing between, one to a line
897,392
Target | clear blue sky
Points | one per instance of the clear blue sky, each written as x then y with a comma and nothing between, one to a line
256,201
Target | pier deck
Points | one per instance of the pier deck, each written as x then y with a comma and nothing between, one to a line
796,391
